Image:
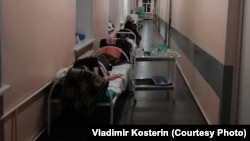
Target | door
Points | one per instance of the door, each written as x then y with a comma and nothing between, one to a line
243,116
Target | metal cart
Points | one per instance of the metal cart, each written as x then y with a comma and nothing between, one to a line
145,83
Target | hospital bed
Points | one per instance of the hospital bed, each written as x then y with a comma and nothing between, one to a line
122,50
75,85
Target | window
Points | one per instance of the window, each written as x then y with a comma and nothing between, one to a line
147,6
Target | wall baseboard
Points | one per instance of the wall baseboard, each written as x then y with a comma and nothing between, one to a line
191,91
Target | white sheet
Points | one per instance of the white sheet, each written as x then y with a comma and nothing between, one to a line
120,84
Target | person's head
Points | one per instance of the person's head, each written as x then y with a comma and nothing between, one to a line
129,18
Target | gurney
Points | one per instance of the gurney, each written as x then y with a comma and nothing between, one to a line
124,68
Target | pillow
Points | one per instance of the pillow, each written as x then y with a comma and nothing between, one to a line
113,61
112,50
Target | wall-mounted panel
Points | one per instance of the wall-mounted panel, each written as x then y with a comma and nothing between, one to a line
204,22
199,31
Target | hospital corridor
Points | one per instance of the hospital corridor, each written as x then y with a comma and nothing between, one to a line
152,107
69,67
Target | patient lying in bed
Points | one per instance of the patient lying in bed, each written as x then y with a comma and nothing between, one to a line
91,64
115,78
117,73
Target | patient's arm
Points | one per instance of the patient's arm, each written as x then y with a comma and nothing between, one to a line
112,77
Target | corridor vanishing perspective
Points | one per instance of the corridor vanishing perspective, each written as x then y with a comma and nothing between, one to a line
201,79
151,108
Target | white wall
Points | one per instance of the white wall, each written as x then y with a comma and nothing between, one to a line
100,19
244,97
125,8
122,12
37,41
133,5
112,11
